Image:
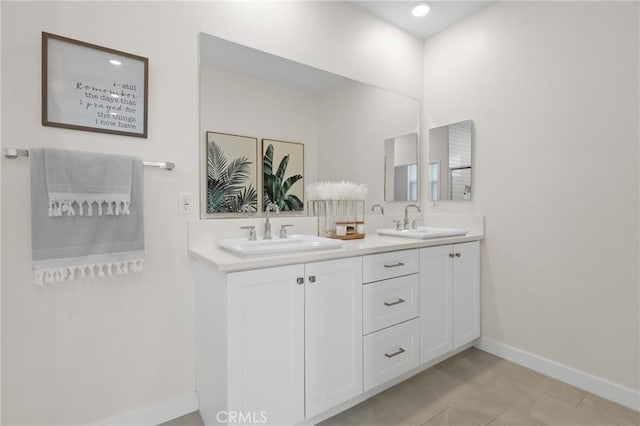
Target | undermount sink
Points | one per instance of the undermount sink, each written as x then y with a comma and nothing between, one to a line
423,232
293,243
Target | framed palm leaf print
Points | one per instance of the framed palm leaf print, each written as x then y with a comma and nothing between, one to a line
283,174
232,173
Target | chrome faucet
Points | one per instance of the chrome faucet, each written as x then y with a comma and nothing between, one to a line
373,208
267,225
246,208
406,214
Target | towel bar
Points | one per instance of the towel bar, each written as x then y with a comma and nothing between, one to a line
13,153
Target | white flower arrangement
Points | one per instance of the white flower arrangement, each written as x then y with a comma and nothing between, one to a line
343,190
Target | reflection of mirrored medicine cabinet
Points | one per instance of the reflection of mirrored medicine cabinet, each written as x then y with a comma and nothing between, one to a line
450,162
401,168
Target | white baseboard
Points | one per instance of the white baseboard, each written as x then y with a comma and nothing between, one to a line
152,416
604,388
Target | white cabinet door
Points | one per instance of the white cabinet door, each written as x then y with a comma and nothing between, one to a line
466,293
266,344
436,315
333,333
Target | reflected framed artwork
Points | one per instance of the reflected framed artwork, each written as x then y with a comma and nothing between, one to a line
283,174
232,173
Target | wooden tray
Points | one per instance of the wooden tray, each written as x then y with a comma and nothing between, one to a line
348,237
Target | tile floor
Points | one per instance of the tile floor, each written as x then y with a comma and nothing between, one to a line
476,388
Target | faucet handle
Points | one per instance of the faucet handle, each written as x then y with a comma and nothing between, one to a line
414,224
252,232
398,227
283,230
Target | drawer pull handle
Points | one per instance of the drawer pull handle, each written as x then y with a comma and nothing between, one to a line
394,303
393,265
398,352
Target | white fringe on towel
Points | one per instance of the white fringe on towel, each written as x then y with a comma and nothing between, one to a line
113,208
70,273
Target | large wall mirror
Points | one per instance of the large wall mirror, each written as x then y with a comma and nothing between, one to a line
344,125
450,162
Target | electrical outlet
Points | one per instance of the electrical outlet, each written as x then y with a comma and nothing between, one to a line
184,203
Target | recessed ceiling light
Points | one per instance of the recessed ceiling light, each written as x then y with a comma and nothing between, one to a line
420,10
115,62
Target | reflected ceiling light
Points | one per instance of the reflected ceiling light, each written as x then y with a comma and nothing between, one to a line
420,10
115,62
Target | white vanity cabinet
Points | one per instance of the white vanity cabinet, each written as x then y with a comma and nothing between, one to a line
286,345
278,345
449,298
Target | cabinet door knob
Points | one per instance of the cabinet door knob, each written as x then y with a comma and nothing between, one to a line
457,254
451,255
312,278
398,352
300,280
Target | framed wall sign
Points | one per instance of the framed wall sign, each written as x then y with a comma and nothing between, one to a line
93,88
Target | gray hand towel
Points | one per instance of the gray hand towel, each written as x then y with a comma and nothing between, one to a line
66,247
79,180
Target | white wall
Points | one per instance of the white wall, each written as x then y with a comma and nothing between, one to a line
83,352
548,85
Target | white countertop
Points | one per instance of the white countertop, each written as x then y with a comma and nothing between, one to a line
225,261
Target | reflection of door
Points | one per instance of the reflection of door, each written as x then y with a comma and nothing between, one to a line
434,178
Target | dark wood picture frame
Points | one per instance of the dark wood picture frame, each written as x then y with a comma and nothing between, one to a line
93,88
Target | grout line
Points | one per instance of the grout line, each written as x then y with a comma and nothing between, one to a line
531,389
469,418
499,414
586,394
435,415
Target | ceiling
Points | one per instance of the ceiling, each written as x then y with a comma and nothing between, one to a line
232,57
443,14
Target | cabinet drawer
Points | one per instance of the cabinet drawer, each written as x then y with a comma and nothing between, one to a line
389,353
382,266
389,302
